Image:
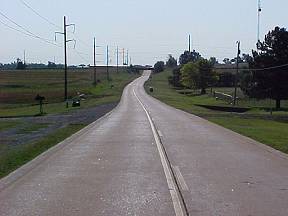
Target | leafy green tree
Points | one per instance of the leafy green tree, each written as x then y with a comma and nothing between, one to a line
273,52
189,57
190,75
226,79
207,75
159,67
171,62
198,75
175,79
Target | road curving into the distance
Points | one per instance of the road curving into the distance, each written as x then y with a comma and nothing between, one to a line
146,158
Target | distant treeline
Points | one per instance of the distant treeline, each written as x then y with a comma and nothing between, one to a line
20,65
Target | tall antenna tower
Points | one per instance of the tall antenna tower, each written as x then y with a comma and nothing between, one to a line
259,14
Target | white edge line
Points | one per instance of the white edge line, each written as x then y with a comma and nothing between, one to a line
171,184
181,179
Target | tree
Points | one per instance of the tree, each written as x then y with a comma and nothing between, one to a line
20,65
171,62
198,75
226,79
213,60
159,67
51,65
226,61
189,57
207,75
175,79
190,75
273,52
247,58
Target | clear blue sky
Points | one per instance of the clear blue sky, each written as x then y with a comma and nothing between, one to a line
149,29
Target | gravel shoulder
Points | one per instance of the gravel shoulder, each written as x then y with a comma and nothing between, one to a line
20,134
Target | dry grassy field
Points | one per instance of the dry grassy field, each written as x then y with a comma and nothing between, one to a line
18,87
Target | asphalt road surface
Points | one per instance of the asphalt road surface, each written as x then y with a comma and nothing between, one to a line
146,158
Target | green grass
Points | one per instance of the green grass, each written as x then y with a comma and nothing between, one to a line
256,123
14,157
32,128
15,104
5,125
269,132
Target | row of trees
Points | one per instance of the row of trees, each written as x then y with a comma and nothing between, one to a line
21,65
267,76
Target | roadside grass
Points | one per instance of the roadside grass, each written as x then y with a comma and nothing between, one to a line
16,156
5,125
256,123
32,128
12,105
269,132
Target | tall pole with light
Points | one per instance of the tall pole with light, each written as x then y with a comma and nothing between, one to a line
259,21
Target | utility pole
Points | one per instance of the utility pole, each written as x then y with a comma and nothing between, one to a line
94,58
65,58
65,64
189,48
237,72
259,14
127,58
24,57
107,61
123,56
117,59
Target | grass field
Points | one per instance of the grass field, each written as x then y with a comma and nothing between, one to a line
256,123
19,88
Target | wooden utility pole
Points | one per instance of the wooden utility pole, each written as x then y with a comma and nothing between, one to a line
65,63
237,72
117,60
65,58
94,58
123,53
127,58
107,61
189,48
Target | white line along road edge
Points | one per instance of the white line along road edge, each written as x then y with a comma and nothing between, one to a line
171,184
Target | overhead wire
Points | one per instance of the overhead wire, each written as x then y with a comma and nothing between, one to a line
38,14
251,69
28,33
31,34
52,23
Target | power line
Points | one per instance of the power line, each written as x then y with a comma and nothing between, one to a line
32,35
80,55
256,69
38,14
49,22
29,34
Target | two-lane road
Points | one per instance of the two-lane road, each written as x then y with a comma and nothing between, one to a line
119,166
